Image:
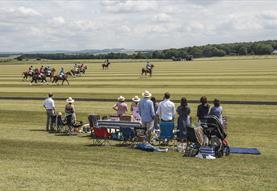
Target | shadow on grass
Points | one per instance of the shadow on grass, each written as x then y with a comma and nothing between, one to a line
97,145
38,130
123,145
85,136
65,134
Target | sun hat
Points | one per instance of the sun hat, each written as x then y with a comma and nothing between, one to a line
136,99
70,100
146,94
121,98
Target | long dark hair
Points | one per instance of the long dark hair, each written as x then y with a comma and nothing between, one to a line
153,99
184,104
203,100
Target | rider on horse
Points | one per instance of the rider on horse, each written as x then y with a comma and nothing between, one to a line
41,71
36,72
148,66
75,68
61,74
30,70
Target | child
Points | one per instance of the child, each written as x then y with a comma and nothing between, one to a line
203,109
217,110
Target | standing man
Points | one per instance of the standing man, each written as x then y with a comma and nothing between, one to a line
166,110
147,113
49,106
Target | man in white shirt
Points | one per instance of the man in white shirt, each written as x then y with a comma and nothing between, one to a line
49,106
166,110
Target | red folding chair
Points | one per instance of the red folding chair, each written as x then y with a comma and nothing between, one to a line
100,136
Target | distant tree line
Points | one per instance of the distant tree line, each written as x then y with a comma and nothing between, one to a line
210,50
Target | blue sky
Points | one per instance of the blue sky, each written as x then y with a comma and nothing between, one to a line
76,25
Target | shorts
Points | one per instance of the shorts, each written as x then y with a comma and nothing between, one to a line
147,125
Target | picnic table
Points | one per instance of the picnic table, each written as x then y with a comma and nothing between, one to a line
113,124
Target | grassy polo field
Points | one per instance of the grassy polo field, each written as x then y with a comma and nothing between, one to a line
31,159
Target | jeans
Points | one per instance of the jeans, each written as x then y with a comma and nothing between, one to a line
50,113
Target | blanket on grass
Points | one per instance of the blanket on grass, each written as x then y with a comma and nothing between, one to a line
239,150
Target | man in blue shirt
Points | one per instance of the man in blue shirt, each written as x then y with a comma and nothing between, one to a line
147,113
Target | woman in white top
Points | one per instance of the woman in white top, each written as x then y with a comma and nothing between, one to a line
135,108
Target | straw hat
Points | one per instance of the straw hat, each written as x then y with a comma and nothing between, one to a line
136,99
60,113
70,100
146,93
121,98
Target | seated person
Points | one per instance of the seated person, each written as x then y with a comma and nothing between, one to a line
217,110
120,107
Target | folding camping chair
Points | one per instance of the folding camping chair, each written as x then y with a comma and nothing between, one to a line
100,136
93,121
128,134
166,132
140,134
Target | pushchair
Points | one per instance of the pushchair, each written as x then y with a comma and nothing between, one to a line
61,122
216,138
216,135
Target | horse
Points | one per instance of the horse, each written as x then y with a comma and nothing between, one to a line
145,71
51,74
83,69
189,58
37,77
26,75
56,78
75,72
106,65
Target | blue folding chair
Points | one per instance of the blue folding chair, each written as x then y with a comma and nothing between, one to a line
128,134
166,131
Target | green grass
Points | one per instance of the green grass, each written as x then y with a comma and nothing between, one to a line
31,159
237,79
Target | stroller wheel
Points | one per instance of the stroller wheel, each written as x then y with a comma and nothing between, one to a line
227,150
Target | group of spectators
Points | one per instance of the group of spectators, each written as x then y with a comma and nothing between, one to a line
149,112
49,106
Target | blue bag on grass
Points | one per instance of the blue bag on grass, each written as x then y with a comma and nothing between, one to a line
145,147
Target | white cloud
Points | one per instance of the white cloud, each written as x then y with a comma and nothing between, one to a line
128,6
57,20
268,15
132,24
162,17
21,12
124,29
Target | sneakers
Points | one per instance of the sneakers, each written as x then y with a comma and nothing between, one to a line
199,155
209,157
